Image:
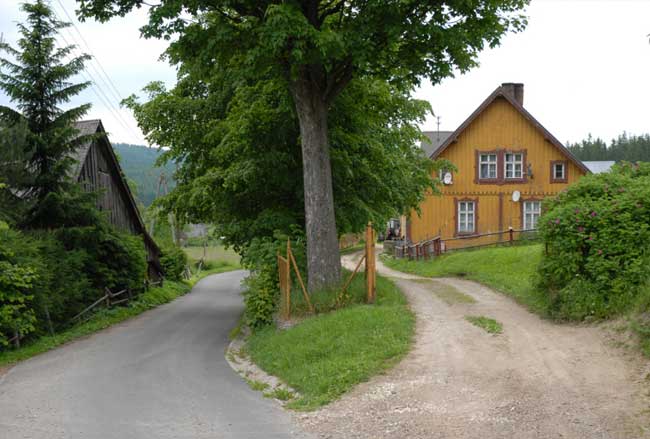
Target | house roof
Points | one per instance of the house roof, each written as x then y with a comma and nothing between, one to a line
501,92
433,141
598,167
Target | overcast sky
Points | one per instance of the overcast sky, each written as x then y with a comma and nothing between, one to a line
585,66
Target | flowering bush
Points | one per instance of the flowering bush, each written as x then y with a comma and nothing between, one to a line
597,235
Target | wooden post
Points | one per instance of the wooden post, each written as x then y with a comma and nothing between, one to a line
50,327
299,276
370,264
511,234
16,340
108,297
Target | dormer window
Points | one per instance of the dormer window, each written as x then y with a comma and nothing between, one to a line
513,165
488,166
559,171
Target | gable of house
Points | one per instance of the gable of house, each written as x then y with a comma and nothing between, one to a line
520,154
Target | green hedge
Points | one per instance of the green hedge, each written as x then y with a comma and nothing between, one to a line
597,234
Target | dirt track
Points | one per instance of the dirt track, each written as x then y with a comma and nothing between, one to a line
535,380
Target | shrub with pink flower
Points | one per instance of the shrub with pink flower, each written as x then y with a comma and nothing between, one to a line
598,243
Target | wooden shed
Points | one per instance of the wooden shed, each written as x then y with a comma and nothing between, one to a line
98,169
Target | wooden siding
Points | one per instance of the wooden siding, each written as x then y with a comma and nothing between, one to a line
499,127
98,174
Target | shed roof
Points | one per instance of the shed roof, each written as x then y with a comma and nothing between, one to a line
599,166
433,141
86,128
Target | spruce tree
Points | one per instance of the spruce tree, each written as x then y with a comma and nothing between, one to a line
37,79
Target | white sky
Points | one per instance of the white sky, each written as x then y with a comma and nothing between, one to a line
585,66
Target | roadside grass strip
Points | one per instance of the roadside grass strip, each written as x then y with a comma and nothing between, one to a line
324,356
107,317
510,270
490,326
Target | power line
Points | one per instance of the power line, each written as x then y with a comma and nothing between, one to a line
99,92
112,88
97,89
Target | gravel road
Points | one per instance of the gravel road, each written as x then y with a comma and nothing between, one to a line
161,375
537,379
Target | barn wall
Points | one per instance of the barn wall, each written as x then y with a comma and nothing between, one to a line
102,177
98,173
500,126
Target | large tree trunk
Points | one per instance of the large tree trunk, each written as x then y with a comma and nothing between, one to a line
323,258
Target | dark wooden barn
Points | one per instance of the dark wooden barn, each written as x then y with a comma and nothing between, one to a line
98,169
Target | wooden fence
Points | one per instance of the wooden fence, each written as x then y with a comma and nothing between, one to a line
286,263
108,300
436,246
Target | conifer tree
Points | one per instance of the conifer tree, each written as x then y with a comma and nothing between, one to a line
37,77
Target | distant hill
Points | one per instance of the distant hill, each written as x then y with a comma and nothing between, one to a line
138,163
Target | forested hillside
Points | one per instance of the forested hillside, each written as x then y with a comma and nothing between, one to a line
139,164
626,147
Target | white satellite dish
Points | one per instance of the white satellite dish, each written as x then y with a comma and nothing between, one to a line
516,195
447,178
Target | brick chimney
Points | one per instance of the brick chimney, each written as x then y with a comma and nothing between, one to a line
515,90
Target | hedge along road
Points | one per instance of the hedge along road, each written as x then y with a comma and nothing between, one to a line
160,375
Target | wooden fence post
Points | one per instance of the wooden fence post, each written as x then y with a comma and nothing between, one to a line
510,232
50,327
299,276
370,264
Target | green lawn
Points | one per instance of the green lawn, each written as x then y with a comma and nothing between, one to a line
324,356
510,270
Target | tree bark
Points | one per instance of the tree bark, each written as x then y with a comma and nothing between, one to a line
323,257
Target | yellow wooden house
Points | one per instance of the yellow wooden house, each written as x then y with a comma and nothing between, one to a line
506,161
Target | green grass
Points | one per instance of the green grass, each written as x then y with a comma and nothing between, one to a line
447,293
108,317
490,326
324,356
258,386
213,253
280,393
510,270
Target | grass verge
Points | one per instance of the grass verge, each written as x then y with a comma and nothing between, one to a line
324,356
510,270
108,317
490,326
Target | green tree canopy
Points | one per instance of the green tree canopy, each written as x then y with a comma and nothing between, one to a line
240,154
316,48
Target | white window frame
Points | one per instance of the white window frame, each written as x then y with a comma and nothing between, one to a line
513,165
532,210
555,165
484,159
466,222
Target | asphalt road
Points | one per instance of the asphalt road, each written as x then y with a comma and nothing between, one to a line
160,375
